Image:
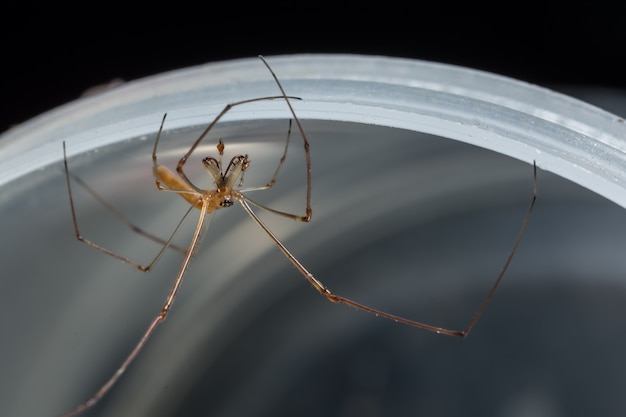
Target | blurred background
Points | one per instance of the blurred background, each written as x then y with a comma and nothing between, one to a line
551,344
53,52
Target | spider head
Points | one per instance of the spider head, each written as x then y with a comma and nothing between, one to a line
234,171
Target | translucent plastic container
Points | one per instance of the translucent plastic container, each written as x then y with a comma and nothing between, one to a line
404,219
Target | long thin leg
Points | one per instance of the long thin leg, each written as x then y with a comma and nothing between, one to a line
282,158
307,151
272,181
133,227
271,210
143,268
322,289
158,319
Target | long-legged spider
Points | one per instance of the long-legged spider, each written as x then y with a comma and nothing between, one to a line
228,190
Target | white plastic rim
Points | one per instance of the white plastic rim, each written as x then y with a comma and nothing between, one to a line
563,135
458,220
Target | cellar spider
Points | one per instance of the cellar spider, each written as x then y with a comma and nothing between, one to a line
228,190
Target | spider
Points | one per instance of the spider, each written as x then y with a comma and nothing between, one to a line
227,190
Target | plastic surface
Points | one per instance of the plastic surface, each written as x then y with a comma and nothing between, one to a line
405,221
570,138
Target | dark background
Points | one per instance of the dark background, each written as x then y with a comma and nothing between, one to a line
53,53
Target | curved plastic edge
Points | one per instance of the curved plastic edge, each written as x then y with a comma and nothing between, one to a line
563,135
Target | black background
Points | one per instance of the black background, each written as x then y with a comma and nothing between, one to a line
53,53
